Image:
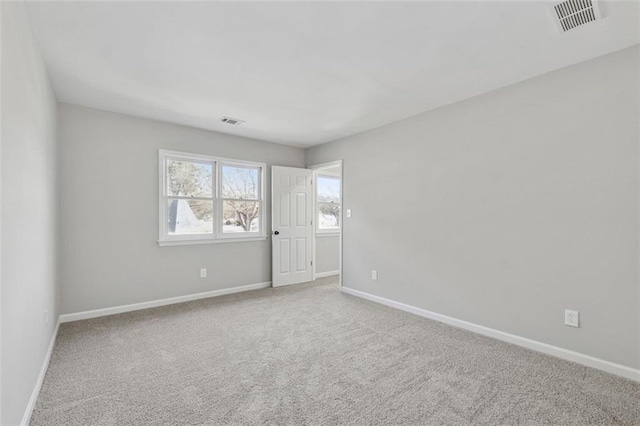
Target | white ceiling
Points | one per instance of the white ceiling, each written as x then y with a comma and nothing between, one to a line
305,73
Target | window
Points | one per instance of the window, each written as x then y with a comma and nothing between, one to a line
208,199
240,199
328,203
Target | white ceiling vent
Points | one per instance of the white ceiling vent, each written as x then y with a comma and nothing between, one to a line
573,13
232,121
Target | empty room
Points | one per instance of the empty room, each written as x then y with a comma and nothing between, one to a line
319,213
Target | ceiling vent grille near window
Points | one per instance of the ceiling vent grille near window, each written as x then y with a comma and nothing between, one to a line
573,13
232,121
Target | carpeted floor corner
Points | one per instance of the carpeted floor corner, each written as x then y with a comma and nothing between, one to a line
309,354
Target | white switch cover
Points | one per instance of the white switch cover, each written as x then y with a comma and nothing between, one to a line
374,275
348,212
571,318
203,273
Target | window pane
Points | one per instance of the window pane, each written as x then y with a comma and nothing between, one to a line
189,179
328,215
328,189
240,182
190,217
240,216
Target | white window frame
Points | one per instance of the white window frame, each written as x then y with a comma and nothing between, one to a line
217,236
259,200
326,231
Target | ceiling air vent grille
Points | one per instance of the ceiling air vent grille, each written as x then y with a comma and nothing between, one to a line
232,121
574,13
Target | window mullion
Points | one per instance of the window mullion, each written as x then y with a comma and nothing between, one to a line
176,197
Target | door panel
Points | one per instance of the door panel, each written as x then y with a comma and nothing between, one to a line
301,210
285,259
292,229
301,255
285,207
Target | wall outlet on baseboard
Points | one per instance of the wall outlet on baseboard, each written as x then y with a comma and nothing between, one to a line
374,275
203,273
571,318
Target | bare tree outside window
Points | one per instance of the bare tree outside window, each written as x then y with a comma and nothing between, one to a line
330,209
240,194
190,203
189,179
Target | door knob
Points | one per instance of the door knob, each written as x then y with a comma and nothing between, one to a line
276,233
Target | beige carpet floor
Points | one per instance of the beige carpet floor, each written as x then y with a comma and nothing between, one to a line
309,354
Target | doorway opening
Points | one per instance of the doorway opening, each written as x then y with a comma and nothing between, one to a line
328,223
306,223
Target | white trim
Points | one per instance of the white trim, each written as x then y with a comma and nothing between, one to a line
589,361
325,274
327,234
322,172
161,302
208,241
207,157
26,418
326,165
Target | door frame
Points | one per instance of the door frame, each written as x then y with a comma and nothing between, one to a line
316,168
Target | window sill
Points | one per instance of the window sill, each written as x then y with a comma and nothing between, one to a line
328,234
167,243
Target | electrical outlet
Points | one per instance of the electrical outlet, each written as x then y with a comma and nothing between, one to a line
203,273
571,318
374,275
348,212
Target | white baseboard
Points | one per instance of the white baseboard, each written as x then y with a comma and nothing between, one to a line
26,418
600,364
162,302
326,274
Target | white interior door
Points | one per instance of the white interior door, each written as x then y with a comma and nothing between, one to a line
291,225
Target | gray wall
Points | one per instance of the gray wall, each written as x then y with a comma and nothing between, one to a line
507,208
327,253
29,213
109,223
